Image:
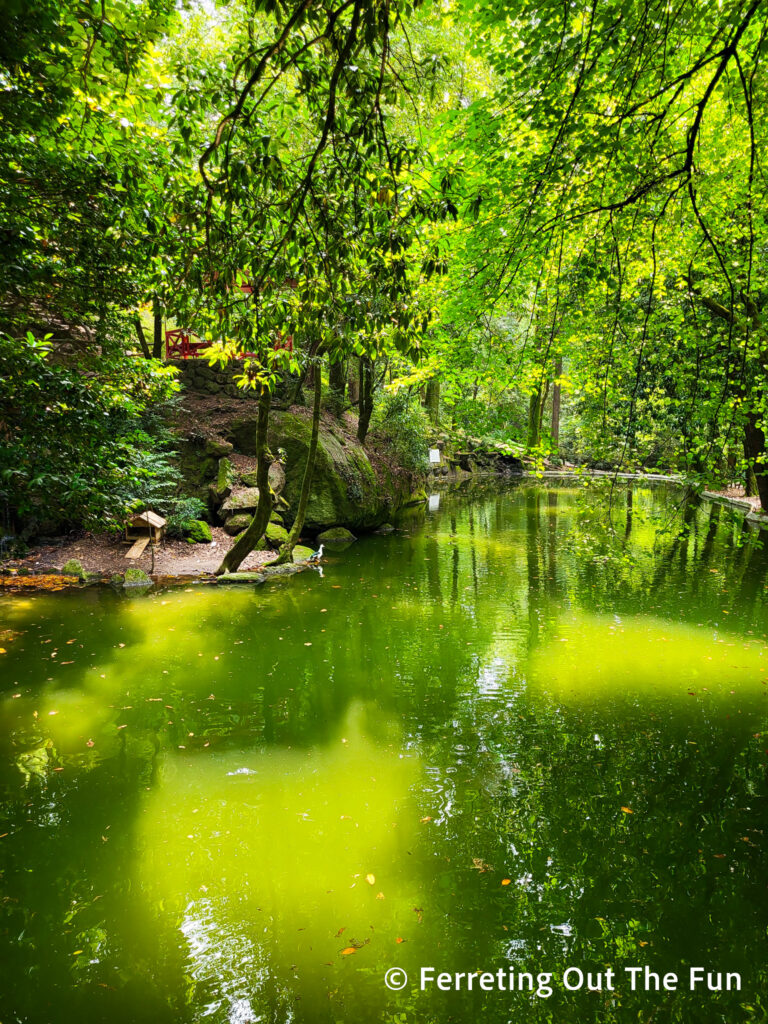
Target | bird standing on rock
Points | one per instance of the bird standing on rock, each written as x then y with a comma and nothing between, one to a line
315,557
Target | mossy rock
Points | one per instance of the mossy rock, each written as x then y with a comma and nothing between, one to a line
345,489
136,578
73,568
242,500
336,535
276,535
385,529
276,477
302,553
237,523
418,497
198,532
241,577
276,518
217,446
117,579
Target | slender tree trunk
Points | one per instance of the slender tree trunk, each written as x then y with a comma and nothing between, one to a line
432,401
555,431
337,384
366,396
754,446
353,381
157,312
251,536
286,550
534,419
142,337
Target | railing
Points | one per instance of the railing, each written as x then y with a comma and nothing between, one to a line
179,344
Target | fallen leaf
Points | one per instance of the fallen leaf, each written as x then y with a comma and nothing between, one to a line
348,951
398,939
506,881
379,895
425,820
627,810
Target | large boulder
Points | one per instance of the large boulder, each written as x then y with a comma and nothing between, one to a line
346,490
237,523
244,499
336,535
276,535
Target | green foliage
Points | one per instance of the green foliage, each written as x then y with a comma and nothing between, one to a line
401,422
198,532
76,450
184,512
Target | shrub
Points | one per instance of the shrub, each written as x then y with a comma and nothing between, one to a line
184,511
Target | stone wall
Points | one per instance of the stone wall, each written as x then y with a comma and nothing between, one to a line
196,375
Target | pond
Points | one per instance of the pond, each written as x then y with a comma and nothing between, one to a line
517,737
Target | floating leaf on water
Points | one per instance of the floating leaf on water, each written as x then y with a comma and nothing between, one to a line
425,820
370,879
348,951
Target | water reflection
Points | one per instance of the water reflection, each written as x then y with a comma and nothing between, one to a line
527,732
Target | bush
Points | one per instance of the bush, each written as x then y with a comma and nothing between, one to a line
400,420
76,448
184,511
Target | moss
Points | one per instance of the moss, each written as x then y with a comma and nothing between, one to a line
276,535
417,498
241,577
225,477
245,500
73,568
345,488
237,523
217,446
301,553
337,534
198,532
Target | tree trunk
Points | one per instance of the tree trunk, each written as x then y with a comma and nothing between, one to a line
157,346
754,446
555,431
142,337
286,550
337,383
432,401
353,381
534,419
366,396
248,540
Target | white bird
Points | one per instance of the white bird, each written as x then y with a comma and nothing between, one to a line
316,555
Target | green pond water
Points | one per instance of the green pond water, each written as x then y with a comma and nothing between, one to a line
514,736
